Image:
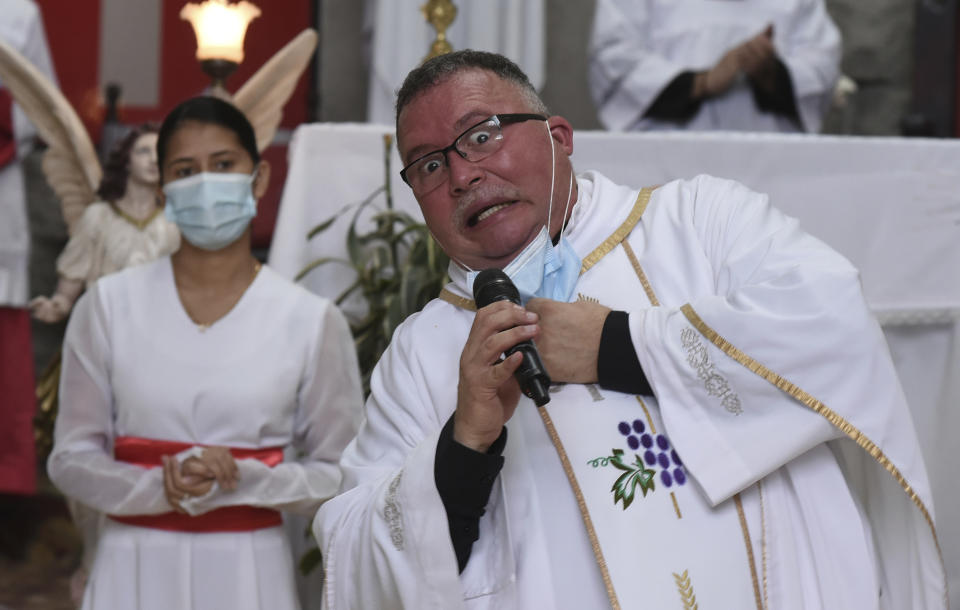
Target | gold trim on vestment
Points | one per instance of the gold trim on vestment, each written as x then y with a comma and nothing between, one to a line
643,198
640,274
643,405
763,542
582,504
457,300
676,507
750,558
818,407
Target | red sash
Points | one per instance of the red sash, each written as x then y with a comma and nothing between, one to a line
148,452
8,144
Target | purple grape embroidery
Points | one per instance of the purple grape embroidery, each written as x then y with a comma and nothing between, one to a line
642,472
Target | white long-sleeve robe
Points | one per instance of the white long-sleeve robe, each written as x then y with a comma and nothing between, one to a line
639,46
767,367
278,370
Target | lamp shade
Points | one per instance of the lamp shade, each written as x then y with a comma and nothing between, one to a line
220,27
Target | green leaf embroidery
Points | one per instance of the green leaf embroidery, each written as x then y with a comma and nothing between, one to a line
634,475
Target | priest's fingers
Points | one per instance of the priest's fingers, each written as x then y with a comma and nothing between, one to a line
497,328
486,397
569,338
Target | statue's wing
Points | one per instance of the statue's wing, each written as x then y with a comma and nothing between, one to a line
263,97
70,163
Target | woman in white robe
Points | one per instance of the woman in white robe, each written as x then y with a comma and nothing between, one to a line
201,394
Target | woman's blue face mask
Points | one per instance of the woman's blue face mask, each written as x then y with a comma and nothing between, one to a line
212,210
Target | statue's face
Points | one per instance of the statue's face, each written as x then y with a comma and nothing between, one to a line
143,160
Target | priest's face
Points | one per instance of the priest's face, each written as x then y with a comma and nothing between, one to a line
485,212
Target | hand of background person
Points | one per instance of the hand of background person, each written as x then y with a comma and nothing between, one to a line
177,485
569,338
758,59
487,393
755,57
720,77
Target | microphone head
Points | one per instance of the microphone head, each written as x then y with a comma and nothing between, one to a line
494,285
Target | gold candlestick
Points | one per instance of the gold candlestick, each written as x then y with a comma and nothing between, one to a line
440,14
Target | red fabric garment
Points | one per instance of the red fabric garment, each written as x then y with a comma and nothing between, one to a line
18,471
147,452
8,144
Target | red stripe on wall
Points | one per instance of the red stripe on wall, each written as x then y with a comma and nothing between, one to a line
73,35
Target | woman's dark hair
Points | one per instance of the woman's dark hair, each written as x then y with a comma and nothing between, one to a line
116,170
211,110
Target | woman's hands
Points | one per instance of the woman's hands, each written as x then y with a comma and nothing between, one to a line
195,475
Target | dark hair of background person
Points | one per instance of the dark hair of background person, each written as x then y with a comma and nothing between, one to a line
439,69
116,170
209,110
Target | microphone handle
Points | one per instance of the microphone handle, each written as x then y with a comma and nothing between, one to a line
531,374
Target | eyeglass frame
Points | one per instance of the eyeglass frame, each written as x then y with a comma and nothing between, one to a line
509,118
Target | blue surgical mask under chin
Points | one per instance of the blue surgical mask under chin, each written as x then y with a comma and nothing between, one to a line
212,210
543,270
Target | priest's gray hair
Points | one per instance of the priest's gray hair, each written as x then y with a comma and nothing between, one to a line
439,69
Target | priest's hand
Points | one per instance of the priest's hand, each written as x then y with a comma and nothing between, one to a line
487,394
569,338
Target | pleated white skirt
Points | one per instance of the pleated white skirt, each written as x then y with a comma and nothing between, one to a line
140,568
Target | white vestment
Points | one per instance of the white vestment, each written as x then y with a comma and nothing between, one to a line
771,380
639,46
278,370
106,241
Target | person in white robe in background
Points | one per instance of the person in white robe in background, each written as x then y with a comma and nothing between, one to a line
741,65
725,426
201,394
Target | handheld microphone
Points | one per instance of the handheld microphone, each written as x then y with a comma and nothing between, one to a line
493,285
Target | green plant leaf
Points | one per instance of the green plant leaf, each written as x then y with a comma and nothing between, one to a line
323,226
317,263
310,560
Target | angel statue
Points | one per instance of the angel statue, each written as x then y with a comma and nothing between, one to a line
123,226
